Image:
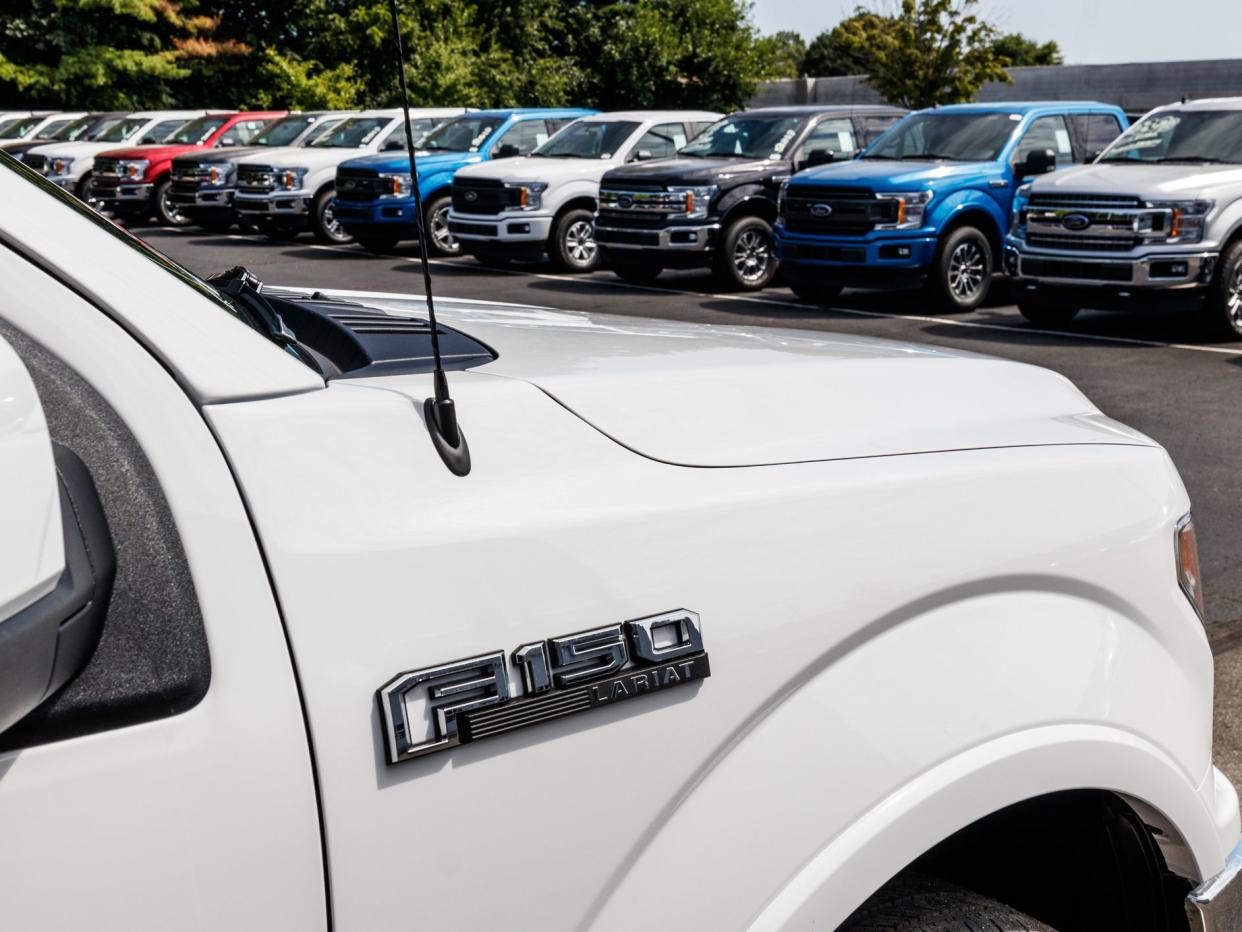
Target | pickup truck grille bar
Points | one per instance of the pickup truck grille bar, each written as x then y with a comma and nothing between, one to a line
360,184
482,196
1091,222
1078,201
36,162
1087,243
190,173
635,199
106,167
835,211
256,179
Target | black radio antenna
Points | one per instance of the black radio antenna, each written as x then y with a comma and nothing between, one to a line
439,412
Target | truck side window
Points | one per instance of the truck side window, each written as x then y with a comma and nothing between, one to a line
874,126
161,131
527,136
662,141
1095,131
240,133
1048,132
698,126
837,136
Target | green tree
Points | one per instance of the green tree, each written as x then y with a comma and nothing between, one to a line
1020,51
784,53
930,52
845,48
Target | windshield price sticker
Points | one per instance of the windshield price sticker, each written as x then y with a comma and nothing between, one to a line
437,708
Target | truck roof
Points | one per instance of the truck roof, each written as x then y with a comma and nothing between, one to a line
794,110
533,112
643,115
1025,106
1206,103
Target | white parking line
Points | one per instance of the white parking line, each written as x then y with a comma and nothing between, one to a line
778,302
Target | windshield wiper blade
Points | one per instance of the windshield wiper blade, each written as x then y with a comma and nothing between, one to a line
1197,159
241,286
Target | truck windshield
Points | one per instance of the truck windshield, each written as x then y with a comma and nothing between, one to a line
594,140
1202,136
119,132
948,137
52,130
747,137
464,134
76,128
195,132
15,129
282,132
353,133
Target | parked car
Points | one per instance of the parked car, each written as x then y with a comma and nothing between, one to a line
35,126
204,183
525,207
135,183
72,164
374,194
83,128
1155,222
287,191
763,627
714,205
927,204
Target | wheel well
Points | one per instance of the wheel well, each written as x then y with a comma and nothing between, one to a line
329,185
442,191
1078,860
982,221
578,203
751,207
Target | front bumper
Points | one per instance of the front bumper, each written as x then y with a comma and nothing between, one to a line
124,196
890,261
1216,904
375,213
499,229
677,246
275,206
204,197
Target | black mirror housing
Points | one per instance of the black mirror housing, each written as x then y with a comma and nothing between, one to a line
1039,162
506,151
818,157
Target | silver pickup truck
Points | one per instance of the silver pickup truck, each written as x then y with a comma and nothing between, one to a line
1156,221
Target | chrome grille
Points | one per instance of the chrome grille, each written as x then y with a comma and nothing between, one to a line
1085,243
37,162
256,179
1071,201
107,167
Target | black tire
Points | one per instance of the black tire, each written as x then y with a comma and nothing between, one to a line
1222,310
746,257
166,211
636,274
276,231
822,295
961,274
376,242
323,223
1044,315
572,244
83,190
440,242
914,903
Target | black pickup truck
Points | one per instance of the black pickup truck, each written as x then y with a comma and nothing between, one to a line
713,205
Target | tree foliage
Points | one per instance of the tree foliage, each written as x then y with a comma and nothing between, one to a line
785,53
337,53
1020,51
846,47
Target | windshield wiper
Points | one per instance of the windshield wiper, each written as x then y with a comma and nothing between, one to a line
242,288
1197,159
928,157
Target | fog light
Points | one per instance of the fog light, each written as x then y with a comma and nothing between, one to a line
519,228
896,252
1170,269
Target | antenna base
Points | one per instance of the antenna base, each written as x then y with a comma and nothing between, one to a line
456,456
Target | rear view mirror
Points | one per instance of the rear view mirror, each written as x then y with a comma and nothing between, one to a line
1038,162
506,151
56,558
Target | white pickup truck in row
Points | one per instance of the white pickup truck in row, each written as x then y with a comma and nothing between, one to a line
267,664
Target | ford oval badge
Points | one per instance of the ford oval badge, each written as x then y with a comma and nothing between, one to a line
821,210
471,196
1076,223
625,201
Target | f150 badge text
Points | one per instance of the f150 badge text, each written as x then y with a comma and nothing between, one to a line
472,698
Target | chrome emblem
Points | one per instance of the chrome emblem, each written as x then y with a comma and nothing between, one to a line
821,210
625,202
1076,223
470,196
436,708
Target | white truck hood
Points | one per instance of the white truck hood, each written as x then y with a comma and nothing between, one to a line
75,150
1173,181
699,395
309,157
552,171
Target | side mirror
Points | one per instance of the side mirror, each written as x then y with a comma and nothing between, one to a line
148,141
817,157
228,141
392,145
506,151
56,559
643,155
1038,162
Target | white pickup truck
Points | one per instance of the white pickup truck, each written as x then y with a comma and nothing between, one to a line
267,664
544,203
1155,222
287,191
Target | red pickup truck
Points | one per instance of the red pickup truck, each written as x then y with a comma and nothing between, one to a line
133,183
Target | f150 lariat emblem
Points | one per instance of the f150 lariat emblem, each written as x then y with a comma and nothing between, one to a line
441,707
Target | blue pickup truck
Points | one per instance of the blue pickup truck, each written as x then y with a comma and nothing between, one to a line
374,197
927,204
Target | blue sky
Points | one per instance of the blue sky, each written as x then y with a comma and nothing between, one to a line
1089,31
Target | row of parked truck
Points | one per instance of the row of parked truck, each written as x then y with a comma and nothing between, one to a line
1075,205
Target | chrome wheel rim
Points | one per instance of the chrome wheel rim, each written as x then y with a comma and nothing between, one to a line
580,243
170,211
1233,299
752,256
966,270
331,225
440,235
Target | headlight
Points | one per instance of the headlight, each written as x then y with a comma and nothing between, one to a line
1173,221
1187,555
397,184
132,170
529,194
289,179
911,207
697,200
58,167
218,174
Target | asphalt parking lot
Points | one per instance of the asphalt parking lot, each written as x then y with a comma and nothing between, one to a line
1154,371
